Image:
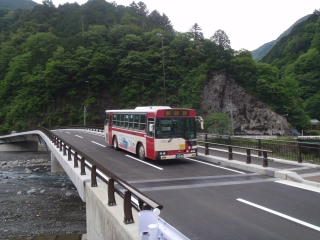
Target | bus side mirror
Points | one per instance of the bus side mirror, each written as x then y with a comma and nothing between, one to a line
151,127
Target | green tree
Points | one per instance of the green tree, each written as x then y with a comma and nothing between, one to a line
218,123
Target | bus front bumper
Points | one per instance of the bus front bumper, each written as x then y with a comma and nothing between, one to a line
176,156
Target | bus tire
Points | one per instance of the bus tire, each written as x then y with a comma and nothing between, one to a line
115,143
141,152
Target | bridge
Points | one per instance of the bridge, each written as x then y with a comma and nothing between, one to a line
207,197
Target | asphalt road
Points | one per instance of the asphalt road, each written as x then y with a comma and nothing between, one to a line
207,201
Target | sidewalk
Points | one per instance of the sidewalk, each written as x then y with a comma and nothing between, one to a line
305,173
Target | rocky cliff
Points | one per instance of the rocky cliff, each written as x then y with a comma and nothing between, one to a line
250,116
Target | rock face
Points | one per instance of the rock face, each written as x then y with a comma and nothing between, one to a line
250,116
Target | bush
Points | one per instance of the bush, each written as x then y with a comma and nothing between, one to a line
312,133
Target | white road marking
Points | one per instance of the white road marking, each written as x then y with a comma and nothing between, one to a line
280,215
98,144
144,162
67,132
78,136
215,165
300,185
100,134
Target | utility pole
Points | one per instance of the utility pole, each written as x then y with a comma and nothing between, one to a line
230,105
85,110
164,74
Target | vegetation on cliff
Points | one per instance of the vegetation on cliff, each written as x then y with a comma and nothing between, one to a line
54,60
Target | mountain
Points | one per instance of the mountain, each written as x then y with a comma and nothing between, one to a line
55,60
15,4
297,57
260,52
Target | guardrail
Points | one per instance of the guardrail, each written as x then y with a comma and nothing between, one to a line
72,153
230,147
289,150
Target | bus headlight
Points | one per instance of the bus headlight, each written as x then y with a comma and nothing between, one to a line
193,150
162,153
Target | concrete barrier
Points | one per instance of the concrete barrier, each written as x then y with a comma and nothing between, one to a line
106,222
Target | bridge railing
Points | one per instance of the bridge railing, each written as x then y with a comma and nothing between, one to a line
86,162
231,147
290,150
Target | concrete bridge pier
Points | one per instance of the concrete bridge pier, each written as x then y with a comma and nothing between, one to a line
55,165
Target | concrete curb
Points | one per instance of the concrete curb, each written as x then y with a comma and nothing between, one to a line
268,171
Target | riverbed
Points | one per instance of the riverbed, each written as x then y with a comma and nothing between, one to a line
36,202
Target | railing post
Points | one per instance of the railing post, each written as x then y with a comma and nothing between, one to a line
75,160
248,156
127,208
265,159
259,147
94,176
206,145
69,153
230,153
60,146
111,198
64,149
299,153
143,206
82,167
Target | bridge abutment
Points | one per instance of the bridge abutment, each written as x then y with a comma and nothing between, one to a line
25,146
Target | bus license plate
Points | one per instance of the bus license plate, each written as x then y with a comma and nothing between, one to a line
179,156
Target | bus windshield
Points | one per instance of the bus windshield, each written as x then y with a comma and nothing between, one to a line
175,128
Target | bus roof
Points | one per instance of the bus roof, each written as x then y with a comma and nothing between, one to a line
142,109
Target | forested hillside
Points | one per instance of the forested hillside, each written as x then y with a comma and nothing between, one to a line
14,4
54,60
297,56
260,52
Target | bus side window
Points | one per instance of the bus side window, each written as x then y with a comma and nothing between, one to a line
131,121
126,121
150,129
143,122
136,121
115,119
122,120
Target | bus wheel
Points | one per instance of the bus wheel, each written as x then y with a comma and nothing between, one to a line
141,152
115,143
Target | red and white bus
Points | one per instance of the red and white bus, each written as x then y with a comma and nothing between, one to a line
154,132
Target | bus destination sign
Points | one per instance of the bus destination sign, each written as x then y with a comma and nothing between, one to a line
176,113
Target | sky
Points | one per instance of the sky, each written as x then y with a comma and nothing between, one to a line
248,23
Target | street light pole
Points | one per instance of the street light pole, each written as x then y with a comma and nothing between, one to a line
281,122
85,108
88,88
231,110
164,74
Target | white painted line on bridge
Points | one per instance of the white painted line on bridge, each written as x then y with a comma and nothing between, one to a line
144,162
67,132
100,134
299,185
78,136
213,165
280,214
98,144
